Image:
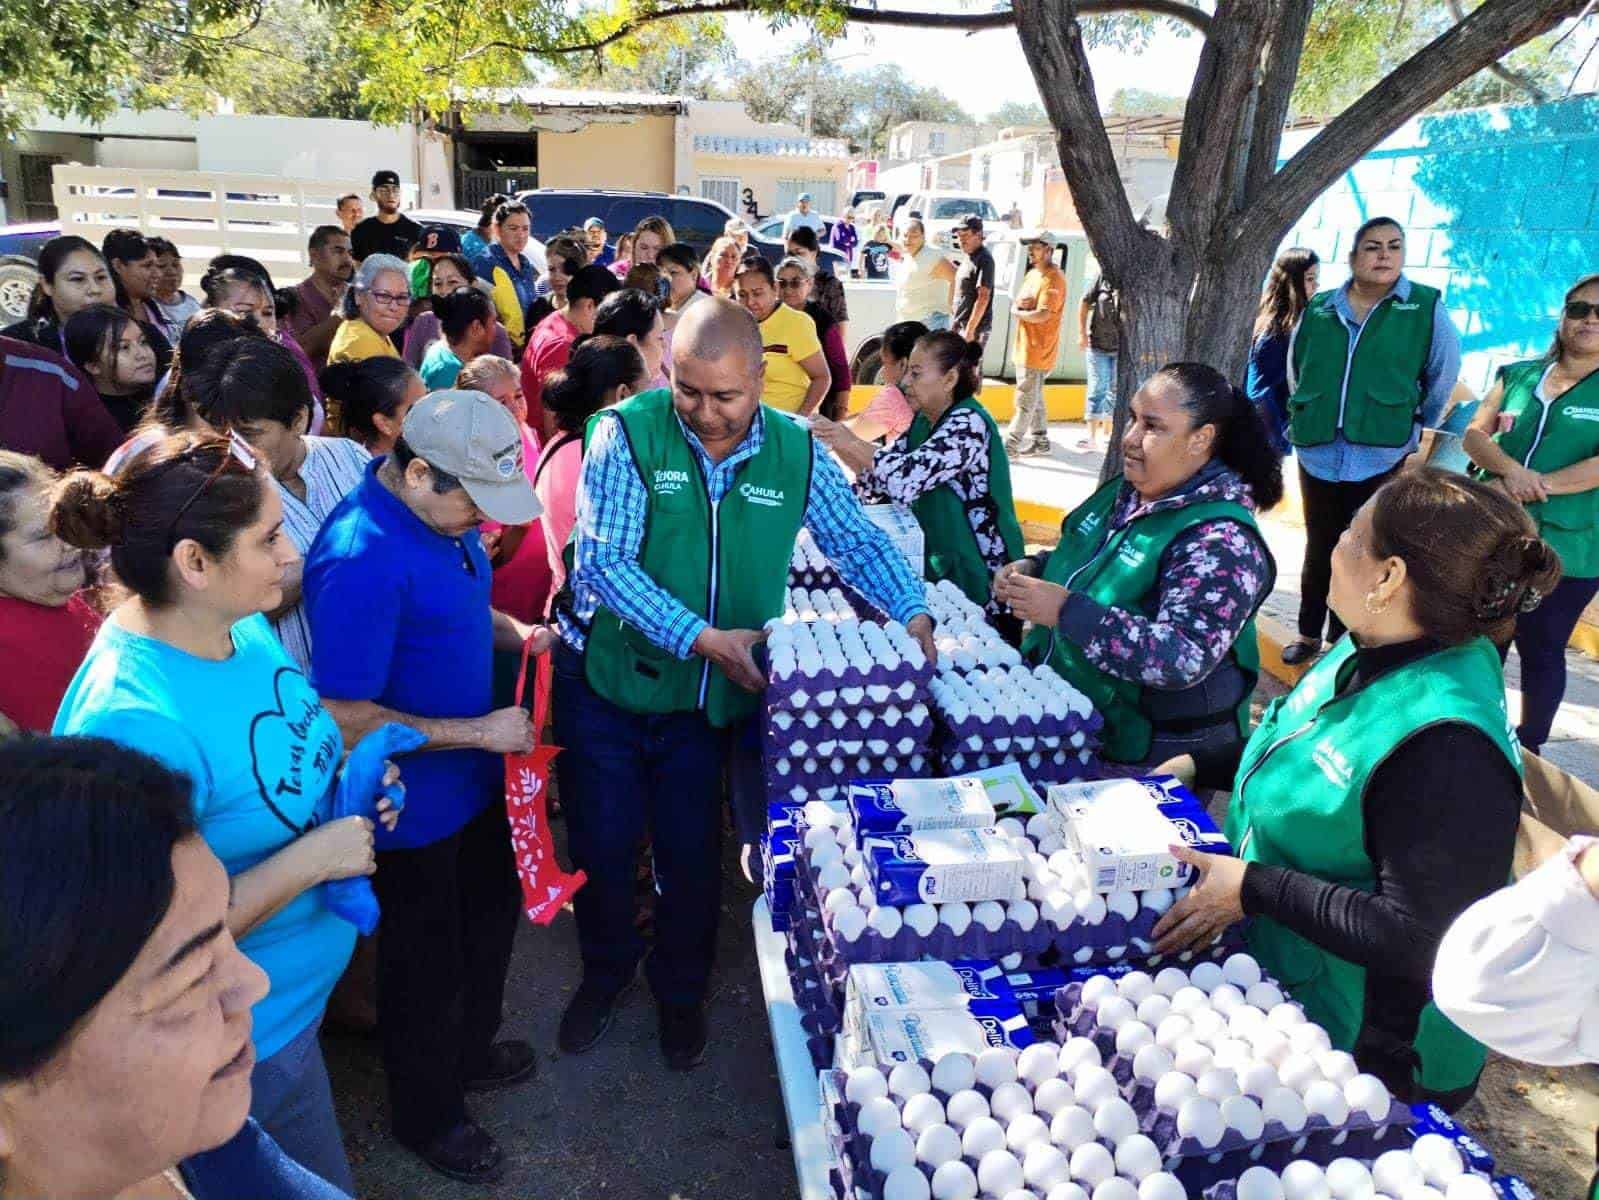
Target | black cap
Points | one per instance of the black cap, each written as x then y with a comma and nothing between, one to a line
382,178
438,239
971,222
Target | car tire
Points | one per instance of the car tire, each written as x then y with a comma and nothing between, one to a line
17,281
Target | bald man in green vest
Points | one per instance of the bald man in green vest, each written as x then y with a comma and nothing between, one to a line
687,509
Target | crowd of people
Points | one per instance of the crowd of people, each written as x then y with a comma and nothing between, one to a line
241,533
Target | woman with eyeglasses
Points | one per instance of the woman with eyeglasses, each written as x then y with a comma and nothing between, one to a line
188,670
375,305
1536,435
794,284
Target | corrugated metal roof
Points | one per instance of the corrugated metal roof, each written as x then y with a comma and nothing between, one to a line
585,98
771,147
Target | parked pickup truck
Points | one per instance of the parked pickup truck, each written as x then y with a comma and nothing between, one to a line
871,308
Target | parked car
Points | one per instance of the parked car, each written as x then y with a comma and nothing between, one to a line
865,196
871,308
19,266
939,213
772,227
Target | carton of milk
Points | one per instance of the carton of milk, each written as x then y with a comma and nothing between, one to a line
925,1036
926,986
883,806
941,866
1123,829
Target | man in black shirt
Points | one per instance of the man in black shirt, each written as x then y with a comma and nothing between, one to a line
385,232
974,283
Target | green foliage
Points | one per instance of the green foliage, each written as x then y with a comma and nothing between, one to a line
1136,102
675,58
1014,112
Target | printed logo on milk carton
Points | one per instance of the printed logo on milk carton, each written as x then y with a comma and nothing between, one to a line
993,1031
770,497
972,983
1333,763
669,482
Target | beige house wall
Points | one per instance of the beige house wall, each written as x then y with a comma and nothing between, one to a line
638,154
762,175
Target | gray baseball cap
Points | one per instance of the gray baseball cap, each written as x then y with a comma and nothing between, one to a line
470,435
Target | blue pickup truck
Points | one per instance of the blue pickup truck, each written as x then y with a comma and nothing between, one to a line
19,270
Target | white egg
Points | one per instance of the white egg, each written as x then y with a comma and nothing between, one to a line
1010,1100
1188,1000
938,1145
1094,1085
1234,1053
1114,1012
1226,998
1133,1037
965,1107
907,1080
1438,1159
1304,1180
999,1172
1025,1129
1206,976
954,1181
1173,1088
1024,912
1152,1062
922,918
1200,1118
906,1183
1052,1096
1270,1045
1066,1191
1037,1063
1071,1128
863,1084
1324,1099
1114,1119
981,1136
886,919
1348,1179
1309,1039
1158,900
1116,1188
1299,1071
1245,1020
1210,1026
1286,1107
1259,1183
850,924
839,899
1092,1164
1137,1157
1162,1186
1153,1009
956,916
1422,1192
892,1149
1241,970
1044,1166
1470,1187
833,875
921,1112
1194,1057
1170,980
953,1073
995,1066
1095,989
1368,1094
1172,1030
1264,995
1136,986
1284,1016
1218,1083
1244,1115
1258,1078
1395,1171
1337,1065
877,1116
826,851
990,914
1076,1053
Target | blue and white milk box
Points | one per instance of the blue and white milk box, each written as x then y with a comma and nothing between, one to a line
884,806
1123,829
942,866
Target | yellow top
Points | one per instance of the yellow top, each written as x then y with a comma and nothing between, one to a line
1037,343
788,337
355,340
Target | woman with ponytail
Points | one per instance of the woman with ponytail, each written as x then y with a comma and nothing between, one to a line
949,466
1381,797
1147,604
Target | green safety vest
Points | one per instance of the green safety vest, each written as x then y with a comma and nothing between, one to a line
952,552
1546,438
1371,392
1121,568
726,562
1298,802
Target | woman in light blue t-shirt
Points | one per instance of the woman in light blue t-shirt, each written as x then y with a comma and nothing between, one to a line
187,669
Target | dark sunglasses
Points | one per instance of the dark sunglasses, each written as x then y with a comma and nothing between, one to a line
1581,310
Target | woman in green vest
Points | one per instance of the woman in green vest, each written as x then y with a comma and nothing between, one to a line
1537,434
950,467
1147,603
1380,797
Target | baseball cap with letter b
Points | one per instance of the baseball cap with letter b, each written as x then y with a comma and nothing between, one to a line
470,435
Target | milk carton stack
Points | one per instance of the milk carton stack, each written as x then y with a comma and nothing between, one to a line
1121,830
992,708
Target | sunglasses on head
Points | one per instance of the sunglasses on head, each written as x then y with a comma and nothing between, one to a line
1581,310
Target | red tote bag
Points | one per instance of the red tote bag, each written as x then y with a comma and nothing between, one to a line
545,886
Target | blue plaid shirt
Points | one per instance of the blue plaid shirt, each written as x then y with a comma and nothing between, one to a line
611,503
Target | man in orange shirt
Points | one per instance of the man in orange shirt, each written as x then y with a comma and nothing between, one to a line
1038,309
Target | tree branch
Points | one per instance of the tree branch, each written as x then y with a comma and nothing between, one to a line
1454,56
1278,74
1514,78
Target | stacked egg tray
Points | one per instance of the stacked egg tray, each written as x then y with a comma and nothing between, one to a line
818,996
1225,1073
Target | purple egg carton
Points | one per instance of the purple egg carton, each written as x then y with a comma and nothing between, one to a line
976,733
1060,766
778,690
866,723
814,775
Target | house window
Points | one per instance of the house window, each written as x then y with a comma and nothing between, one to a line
935,142
721,188
1029,164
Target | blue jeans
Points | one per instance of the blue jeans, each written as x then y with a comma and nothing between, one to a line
294,1103
622,773
1099,402
1540,639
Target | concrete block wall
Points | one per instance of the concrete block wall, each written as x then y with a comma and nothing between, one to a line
1501,211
